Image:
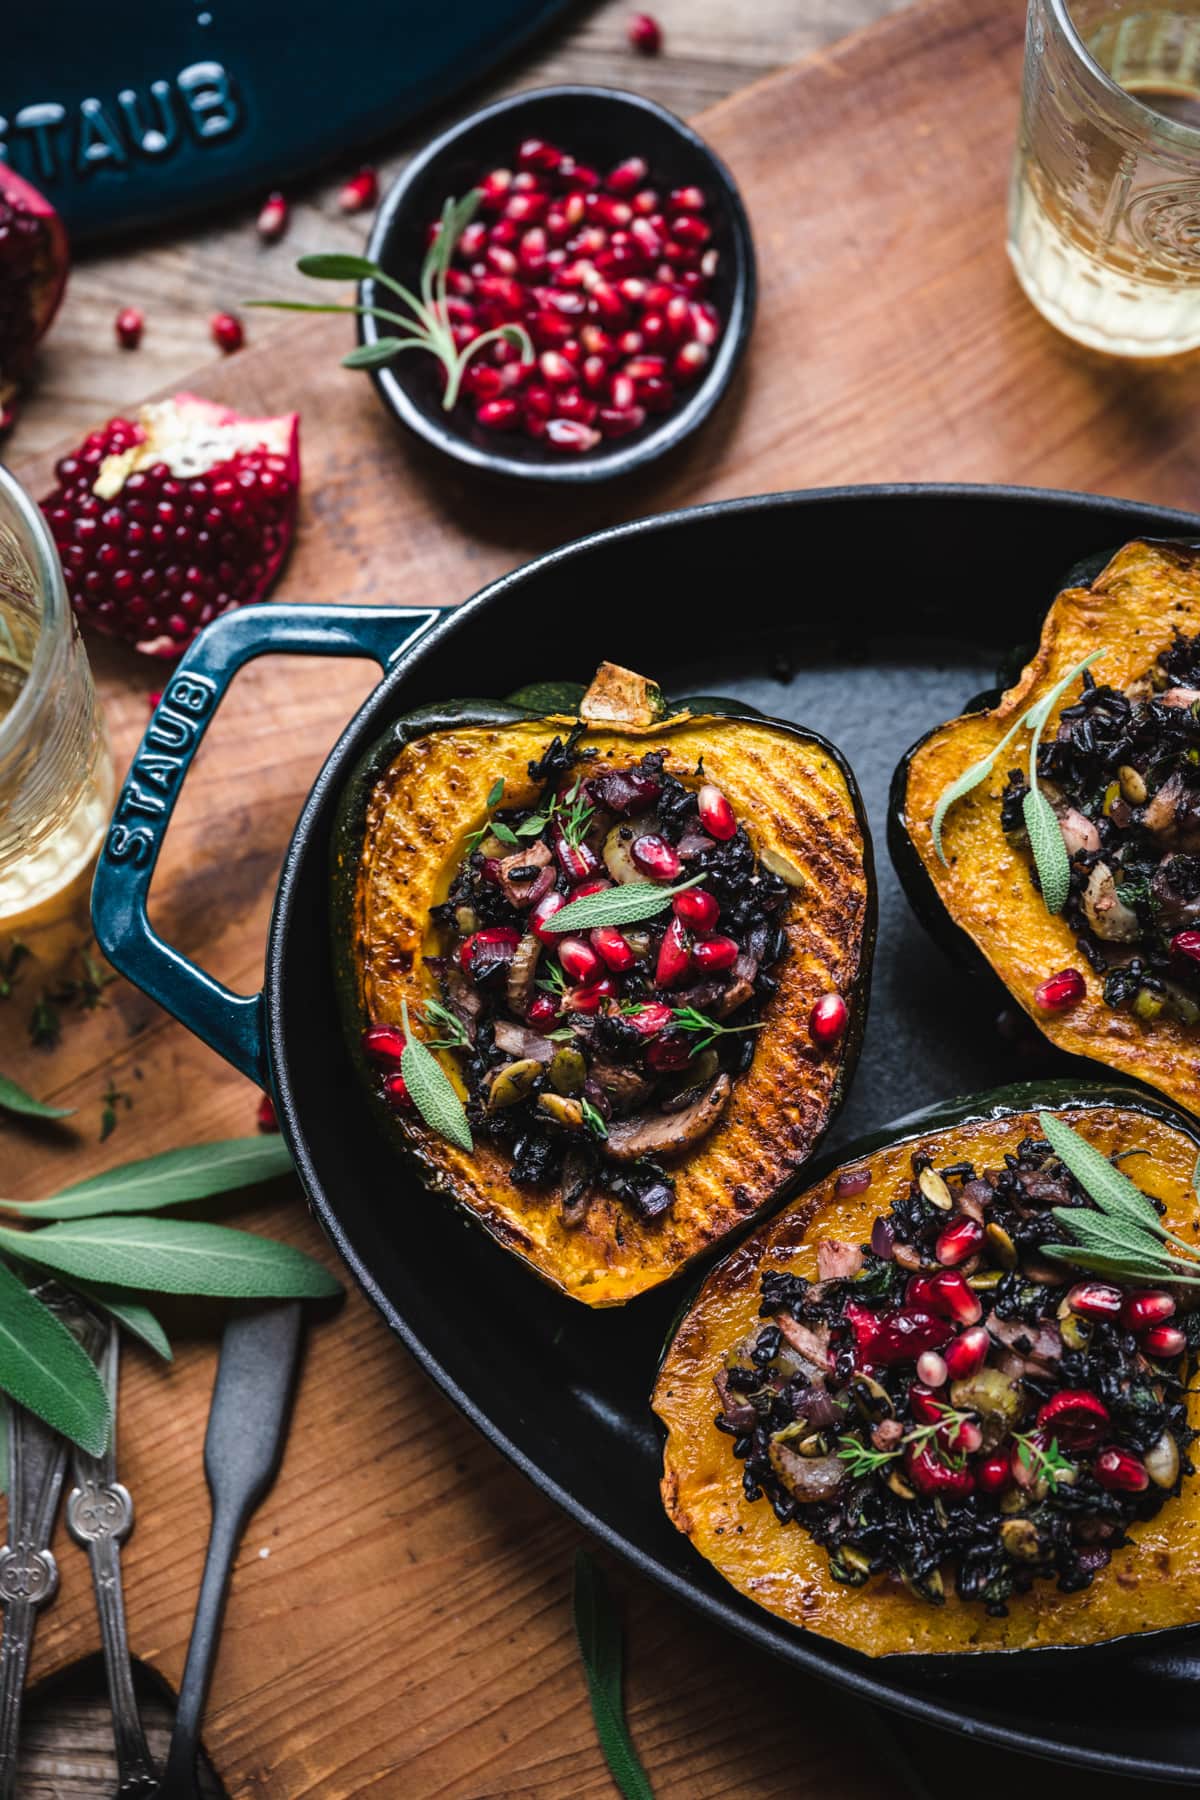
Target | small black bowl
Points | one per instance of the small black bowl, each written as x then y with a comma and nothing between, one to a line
595,125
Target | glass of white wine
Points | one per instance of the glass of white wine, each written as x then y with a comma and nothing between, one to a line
1104,209
56,777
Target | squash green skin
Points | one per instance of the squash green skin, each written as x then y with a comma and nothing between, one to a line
980,906
779,1566
600,1285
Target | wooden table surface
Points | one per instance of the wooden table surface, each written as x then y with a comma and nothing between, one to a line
816,1744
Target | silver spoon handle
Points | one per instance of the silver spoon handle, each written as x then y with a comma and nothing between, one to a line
28,1572
100,1518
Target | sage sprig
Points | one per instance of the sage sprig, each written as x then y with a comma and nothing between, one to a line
598,1634
13,1098
1045,833
624,905
426,322
1033,720
109,1254
1124,1237
431,1090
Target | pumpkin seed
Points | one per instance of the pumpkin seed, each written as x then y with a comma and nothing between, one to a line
1132,785
1162,1462
899,1486
1076,1333
873,1401
568,1070
513,1083
934,1188
563,1111
466,919
843,1570
1003,1250
1147,1004
779,865
813,1445
985,1280
927,1587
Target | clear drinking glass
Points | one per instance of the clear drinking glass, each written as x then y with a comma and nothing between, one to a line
56,778
1104,210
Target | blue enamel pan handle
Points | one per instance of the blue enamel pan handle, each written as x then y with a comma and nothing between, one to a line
231,1023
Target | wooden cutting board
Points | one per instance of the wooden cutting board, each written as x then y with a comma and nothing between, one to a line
399,1622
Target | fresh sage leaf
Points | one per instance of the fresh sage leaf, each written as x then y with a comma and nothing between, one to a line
337,265
1112,1191
1049,850
172,1256
15,1099
137,1319
431,1090
598,1633
963,784
171,1179
45,1370
1119,1267
623,905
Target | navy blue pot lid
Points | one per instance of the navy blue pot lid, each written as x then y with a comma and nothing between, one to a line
133,118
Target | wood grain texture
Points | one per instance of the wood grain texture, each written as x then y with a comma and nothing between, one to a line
409,1632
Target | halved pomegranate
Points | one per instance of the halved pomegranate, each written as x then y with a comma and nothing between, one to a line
34,259
165,521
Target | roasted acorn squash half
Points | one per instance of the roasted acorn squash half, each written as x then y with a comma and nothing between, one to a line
423,807
1128,991
897,1531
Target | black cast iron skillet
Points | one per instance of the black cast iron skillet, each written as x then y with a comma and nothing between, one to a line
866,612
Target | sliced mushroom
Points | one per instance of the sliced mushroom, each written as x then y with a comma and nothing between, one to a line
1078,831
735,1408
1107,914
624,1087
522,974
574,1192
663,1134
837,1261
518,1040
526,875
807,1478
1158,814
812,1345
618,847
1180,696
513,1083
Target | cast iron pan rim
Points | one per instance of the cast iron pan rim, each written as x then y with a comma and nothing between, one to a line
675,427
858,1675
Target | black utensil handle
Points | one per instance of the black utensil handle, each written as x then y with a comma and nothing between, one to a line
247,1426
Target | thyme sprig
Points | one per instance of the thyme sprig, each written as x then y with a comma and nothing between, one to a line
1044,1462
707,1030
862,1459
438,1017
426,323
1123,1237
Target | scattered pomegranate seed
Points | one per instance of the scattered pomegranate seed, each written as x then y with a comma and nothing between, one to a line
227,332
674,1051
499,415
902,1336
542,1009
958,1241
931,1369
129,325
610,945
1076,1418
569,434
994,1473
714,954
1095,1300
541,915
652,1018
577,861
697,908
656,857
968,1352
153,699
266,1114
396,1091
952,1297
590,887
1150,1307
384,1044
1164,1341
486,951
930,1475
1058,993
273,218
828,1019
580,963
644,33
926,1406
361,191
674,955
1120,1471
716,814
589,999
1186,943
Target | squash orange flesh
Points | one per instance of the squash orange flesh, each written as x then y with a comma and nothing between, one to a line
1130,614
794,800
1151,1584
